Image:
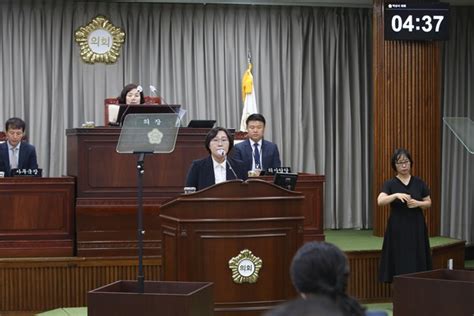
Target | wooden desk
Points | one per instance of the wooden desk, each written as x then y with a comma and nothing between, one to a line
107,189
36,217
437,292
312,186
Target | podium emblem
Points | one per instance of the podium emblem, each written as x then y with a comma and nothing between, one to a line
155,136
245,267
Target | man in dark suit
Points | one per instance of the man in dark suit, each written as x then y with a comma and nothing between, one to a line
15,154
257,153
218,167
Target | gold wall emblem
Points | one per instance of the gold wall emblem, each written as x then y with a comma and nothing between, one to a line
100,41
245,267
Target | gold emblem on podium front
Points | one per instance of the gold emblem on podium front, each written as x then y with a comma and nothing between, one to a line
100,41
245,267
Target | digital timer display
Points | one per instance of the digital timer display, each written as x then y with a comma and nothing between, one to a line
416,21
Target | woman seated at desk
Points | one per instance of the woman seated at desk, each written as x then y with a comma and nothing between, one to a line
218,166
131,94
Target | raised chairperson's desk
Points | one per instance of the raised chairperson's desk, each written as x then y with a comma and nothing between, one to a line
107,189
36,217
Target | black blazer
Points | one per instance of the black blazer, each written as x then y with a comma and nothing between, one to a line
26,158
270,155
201,173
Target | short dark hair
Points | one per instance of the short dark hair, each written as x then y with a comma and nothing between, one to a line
15,123
213,133
397,154
255,117
122,99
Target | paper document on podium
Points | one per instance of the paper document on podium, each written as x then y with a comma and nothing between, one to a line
148,133
463,129
113,112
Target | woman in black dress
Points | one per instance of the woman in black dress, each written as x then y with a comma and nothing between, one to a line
406,246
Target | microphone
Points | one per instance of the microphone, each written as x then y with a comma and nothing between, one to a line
154,90
221,152
180,112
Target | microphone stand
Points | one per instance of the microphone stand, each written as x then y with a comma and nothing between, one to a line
155,92
140,231
231,169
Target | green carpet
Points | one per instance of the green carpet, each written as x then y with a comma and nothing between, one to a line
362,240
71,311
386,307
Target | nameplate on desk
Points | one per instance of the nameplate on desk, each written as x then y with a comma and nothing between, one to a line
27,172
272,171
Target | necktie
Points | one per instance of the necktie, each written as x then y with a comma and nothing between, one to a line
256,157
14,161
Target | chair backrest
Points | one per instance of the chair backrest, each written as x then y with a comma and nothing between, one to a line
148,100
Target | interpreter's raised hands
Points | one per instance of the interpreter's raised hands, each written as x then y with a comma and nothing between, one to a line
403,197
412,203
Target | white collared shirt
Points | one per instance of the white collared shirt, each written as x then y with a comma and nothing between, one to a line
220,172
13,155
253,152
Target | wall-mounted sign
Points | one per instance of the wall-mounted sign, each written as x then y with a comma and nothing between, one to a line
416,21
100,41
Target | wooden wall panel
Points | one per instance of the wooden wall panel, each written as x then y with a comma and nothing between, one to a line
39,284
363,280
406,113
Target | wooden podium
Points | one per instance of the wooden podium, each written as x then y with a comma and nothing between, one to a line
203,231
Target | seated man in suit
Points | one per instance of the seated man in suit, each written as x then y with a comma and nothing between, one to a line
217,167
257,153
15,154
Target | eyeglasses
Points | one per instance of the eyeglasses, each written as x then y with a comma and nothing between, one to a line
217,140
403,162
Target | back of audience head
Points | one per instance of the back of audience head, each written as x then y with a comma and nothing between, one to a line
312,306
131,94
322,269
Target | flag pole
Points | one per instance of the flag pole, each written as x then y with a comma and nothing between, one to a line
248,94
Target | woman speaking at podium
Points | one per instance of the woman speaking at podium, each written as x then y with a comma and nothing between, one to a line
218,166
